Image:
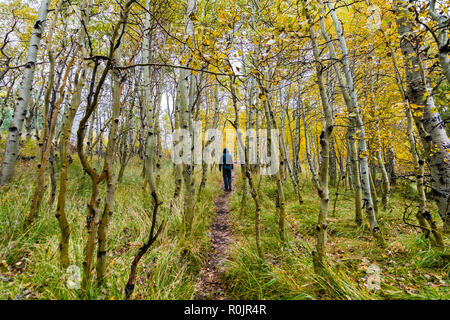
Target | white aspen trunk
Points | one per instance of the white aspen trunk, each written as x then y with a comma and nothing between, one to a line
355,114
354,172
426,117
251,185
297,136
386,184
443,24
295,144
325,135
178,169
186,122
248,125
272,124
210,140
50,123
286,151
158,147
15,129
148,105
423,215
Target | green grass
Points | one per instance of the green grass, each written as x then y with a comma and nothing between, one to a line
29,263
410,267
29,266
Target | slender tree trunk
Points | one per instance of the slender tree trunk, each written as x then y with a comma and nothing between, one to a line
267,103
66,160
354,170
291,171
15,129
355,119
92,220
321,181
253,192
156,111
423,214
39,188
126,151
178,174
333,164
150,144
295,143
386,187
108,172
186,124
210,139
249,123
374,194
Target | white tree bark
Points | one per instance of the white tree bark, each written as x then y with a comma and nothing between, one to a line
355,114
443,24
151,137
426,117
386,188
185,117
15,129
325,136
354,172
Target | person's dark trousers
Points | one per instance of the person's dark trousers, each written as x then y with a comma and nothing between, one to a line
227,179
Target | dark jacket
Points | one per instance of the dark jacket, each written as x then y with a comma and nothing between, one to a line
226,161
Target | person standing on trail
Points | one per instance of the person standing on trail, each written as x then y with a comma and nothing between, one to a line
226,166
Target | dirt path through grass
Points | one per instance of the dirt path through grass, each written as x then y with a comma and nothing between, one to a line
209,284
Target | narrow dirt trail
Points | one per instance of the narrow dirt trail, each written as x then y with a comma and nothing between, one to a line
209,284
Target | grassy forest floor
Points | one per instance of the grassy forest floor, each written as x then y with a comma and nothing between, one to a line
29,265
410,267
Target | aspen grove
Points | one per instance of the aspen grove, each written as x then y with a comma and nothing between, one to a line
114,117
